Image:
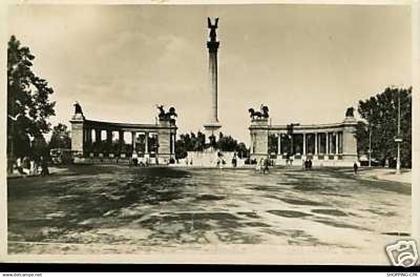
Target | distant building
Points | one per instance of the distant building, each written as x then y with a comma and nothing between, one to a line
101,141
325,144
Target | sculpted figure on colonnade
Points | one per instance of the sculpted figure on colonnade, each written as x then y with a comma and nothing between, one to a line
350,112
77,108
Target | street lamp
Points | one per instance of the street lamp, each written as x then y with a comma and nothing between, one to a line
370,145
398,138
268,138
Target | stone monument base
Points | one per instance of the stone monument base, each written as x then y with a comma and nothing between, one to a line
209,158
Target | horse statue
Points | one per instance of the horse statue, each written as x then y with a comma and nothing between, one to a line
263,113
350,112
167,116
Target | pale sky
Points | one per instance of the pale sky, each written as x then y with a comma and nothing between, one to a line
308,63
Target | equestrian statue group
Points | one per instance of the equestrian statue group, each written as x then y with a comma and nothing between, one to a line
262,114
167,116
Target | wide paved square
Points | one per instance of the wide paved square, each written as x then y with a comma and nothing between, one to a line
122,210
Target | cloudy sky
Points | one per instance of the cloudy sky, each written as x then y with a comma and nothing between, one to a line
308,63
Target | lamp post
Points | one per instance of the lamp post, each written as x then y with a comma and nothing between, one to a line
370,145
398,139
268,138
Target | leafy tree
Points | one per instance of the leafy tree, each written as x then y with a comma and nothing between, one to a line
380,114
39,147
60,137
180,149
196,142
28,104
226,143
242,150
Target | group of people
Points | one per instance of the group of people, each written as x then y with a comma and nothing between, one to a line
25,166
134,161
307,164
263,165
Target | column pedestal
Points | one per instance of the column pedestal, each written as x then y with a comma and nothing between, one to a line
259,132
164,154
78,135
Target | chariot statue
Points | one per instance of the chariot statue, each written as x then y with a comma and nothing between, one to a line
167,116
263,113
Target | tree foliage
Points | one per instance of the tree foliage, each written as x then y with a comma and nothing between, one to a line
28,104
60,137
197,142
380,114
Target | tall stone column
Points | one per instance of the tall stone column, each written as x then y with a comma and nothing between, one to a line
316,144
279,144
213,81
213,45
304,144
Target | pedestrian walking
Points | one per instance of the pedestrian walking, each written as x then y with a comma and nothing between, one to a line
19,166
234,161
26,165
266,164
44,167
355,168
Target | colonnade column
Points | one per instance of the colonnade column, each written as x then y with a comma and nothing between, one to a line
133,141
121,136
327,144
304,144
98,135
336,143
252,144
146,143
279,144
88,136
121,142
173,143
316,144
109,136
